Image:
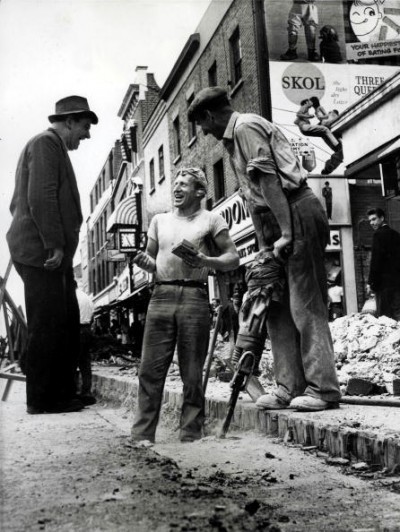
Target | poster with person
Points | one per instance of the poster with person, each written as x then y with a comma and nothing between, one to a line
333,193
333,31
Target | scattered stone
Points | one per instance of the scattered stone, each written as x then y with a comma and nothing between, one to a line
269,455
360,466
252,507
357,386
337,460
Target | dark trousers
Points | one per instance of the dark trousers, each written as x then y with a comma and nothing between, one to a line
177,317
388,302
84,361
53,335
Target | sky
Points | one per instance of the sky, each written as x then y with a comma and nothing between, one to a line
50,49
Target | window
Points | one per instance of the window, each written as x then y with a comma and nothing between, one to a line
161,162
101,231
91,202
97,237
152,176
191,125
92,244
177,137
94,282
212,75
105,226
219,180
235,57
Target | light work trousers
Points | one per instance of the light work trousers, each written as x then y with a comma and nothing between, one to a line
178,317
298,327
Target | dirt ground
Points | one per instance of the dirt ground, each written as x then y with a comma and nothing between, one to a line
80,472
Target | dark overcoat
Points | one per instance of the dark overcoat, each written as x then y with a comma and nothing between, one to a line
46,205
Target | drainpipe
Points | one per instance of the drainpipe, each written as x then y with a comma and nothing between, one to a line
262,59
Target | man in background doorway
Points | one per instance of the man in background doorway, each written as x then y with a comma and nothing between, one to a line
384,273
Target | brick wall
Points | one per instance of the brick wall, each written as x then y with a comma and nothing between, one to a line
206,151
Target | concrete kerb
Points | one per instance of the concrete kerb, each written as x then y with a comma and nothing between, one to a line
303,429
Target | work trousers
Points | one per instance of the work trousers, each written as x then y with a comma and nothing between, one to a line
178,317
298,327
53,335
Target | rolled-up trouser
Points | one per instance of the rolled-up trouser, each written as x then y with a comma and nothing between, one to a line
298,327
177,316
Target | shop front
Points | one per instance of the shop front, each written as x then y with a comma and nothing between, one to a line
371,144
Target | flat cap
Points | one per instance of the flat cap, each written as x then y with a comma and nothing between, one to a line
209,98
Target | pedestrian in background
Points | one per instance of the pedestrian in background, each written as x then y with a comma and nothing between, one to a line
384,273
86,311
42,239
289,220
178,312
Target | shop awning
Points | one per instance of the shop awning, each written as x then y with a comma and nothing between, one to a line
375,157
123,301
124,214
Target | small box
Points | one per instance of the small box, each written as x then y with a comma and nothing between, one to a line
184,249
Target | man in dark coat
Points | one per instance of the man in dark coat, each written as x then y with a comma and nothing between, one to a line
42,239
384,273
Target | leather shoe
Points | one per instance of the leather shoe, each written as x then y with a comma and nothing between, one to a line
270,401
307,403
189,438
73,405
33,410
87,400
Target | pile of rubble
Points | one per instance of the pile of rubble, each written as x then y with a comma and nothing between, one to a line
367,348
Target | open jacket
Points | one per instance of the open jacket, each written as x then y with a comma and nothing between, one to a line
46,205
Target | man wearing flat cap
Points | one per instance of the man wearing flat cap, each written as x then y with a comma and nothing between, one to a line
289,220
42,239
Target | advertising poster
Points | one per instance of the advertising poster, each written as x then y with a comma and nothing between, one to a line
294,29
332,89
333,193
333,31
372,29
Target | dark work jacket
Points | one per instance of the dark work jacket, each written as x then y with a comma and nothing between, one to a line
45,206
385,260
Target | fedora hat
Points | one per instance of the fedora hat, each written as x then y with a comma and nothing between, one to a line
72,105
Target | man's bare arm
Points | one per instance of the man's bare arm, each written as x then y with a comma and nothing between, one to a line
147,260
275,198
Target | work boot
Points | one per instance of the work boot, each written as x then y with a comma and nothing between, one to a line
312,55
334,161
289,55
271,401
307,403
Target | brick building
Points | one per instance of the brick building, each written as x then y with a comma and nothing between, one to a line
238,45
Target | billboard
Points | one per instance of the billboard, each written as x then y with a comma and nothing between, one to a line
333,31
333,88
